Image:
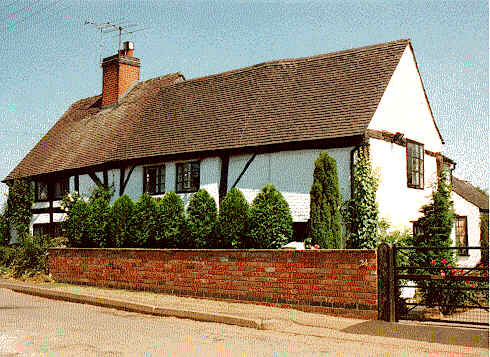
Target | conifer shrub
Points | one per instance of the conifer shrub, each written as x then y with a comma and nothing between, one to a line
19,206
75,225
269,220
360,213
172,222
99,217
202,216
325,220
145,222
232,220
435,226
121,226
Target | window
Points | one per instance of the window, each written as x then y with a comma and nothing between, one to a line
41,191
154,180
55,190
60,189
188,177
43,229
415,165
461,232
417,229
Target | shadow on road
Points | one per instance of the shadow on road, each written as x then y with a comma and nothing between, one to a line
470,337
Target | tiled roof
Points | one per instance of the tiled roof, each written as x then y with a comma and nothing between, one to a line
470,193
321,97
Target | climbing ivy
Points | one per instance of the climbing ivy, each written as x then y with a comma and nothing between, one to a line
360,213
19,205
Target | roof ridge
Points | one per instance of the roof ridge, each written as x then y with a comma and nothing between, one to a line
298,60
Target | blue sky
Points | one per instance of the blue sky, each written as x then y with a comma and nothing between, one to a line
49,58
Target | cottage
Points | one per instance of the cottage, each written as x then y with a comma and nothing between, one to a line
245,128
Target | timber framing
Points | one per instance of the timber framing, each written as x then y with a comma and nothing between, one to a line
397,139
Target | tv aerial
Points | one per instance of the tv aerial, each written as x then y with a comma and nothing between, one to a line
108,27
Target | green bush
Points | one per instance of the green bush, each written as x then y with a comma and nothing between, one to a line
232,220
484,238
171,222
99,217
145,222
19,205
436,225
360,213
325,226
31,255
75,226
269,220
121,222
202,216
7,256
4,229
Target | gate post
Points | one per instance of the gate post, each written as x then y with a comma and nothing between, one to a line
383,267
392,282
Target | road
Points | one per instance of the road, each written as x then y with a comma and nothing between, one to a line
34,326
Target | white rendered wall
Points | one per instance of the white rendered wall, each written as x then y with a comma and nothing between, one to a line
472,212
292,174
398,203
403,107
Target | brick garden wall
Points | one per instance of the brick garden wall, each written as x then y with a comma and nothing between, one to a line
339,282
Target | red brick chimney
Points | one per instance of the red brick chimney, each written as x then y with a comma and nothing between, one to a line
119,72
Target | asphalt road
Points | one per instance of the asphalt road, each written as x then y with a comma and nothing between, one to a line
34,326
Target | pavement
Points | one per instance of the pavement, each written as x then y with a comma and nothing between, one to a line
255,316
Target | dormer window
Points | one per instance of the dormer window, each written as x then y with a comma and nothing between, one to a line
415,164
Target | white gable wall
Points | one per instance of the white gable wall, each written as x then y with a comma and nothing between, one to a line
398,203
403,107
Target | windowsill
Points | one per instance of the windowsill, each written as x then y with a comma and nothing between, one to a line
186,191
415,187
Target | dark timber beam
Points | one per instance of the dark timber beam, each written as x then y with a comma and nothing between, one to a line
106,178
223,183
77,183
244,170
123,181
94,178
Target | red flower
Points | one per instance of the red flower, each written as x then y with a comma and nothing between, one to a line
443,273
444,261
467,282
433,262
316,246
472,285
453,271
449,266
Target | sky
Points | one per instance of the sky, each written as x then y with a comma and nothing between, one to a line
49,58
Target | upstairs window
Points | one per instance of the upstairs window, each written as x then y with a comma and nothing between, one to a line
461,232
60,189
51,189
415,165
41,191
154,180
188,176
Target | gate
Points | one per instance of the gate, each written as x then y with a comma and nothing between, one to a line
421,288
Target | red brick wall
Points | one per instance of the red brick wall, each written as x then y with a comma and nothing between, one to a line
341,282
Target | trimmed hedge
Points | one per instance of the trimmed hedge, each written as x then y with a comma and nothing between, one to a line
270,224
202,216
232,220
172,222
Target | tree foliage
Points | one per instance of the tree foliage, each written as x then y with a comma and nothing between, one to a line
172,222
435,228
145,221
202,216
75,225
121,222
99,217
232,220
325,202
360,213
269,220
19,205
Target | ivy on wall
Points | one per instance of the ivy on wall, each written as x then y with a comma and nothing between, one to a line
19,206
360,213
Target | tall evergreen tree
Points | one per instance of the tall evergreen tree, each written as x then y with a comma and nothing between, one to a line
325,201
202,214
232,220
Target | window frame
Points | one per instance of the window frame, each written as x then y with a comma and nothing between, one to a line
457,234
160,173
194,166
51,187
419,170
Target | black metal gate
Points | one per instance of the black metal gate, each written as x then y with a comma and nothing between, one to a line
430,290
